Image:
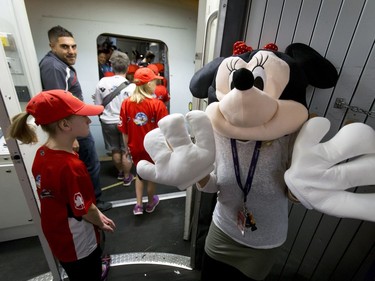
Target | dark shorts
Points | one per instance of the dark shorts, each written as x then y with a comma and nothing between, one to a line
112,137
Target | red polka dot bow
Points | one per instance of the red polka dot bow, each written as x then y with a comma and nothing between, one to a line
271,46
240,47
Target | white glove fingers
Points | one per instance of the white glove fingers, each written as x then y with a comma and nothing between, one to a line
312,132
174,129
146,170
320,173
155,145
357,172
201,129
352,140
346,204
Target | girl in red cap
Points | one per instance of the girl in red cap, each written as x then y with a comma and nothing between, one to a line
70,220
161,91
140,114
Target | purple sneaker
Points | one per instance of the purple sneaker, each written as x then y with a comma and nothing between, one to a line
120,176
106,263
138,210
128,180
151,207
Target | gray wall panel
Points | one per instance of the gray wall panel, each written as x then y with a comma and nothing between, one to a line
358,250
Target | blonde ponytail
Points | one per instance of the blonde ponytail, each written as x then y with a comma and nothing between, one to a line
21,130
141,92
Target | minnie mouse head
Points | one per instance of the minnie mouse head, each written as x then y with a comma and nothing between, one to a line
260,94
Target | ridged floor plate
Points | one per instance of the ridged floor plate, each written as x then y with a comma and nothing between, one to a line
151,258
164,259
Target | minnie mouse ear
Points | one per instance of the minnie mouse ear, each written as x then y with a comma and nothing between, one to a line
320,72
240,47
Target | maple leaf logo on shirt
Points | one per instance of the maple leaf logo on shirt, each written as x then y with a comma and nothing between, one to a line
78,201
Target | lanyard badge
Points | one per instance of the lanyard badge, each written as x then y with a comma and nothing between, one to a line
245,219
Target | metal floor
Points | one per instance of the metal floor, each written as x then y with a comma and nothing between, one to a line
146,247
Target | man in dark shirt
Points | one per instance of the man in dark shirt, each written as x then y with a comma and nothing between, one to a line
57,72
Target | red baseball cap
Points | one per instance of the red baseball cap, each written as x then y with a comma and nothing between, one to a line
154,68
144,75
161,92
53,105
160,66
132,68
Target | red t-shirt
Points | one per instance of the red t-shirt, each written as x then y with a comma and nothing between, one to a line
136,120
65,191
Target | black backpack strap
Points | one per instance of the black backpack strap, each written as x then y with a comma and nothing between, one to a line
108,98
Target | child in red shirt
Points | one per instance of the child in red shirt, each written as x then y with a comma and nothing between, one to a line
140,114
161,91
70,220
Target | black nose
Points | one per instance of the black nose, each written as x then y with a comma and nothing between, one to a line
243,79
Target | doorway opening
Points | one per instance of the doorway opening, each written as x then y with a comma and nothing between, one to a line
141,52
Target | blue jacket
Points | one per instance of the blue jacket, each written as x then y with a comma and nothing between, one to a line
56,74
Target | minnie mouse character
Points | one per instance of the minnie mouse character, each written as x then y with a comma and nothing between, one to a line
254,148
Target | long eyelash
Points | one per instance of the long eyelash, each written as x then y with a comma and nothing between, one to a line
261,62
232,66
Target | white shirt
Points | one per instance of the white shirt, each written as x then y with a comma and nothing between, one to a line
106,85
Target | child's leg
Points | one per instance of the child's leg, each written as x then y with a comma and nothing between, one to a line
153,200
139,190
89,268
126,164
116,159
138,208
150,191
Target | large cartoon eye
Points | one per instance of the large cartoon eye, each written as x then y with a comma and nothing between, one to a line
232,68
259,77
231,85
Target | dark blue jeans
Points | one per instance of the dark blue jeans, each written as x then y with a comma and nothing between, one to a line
87,153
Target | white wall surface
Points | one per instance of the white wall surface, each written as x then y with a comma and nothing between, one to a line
173,22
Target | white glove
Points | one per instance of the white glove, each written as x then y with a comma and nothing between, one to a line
178,161
320,175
